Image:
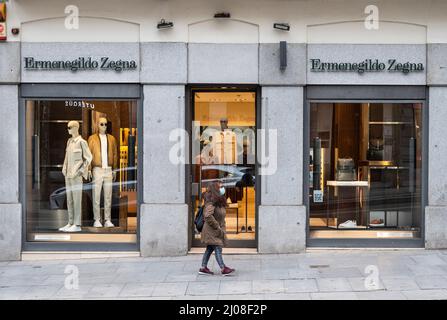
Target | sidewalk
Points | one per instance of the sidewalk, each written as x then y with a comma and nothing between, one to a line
316,274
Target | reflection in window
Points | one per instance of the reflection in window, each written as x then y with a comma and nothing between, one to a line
223,149
81,176
365,165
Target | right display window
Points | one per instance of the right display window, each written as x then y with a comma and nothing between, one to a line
365,170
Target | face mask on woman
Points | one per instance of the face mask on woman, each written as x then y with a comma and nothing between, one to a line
222,191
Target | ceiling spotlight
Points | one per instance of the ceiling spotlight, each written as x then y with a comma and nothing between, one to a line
164,24
222,15
282,26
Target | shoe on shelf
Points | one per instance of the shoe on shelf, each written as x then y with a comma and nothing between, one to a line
206,271
97,224
226,271
348,224
243,229
250,228
377,223
64,228
74,228
108,224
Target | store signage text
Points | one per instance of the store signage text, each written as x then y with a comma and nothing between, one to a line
81,104
79,64
368,65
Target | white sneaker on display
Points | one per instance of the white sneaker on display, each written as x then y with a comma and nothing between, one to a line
108,224
74,228
97,224
348,224
64,228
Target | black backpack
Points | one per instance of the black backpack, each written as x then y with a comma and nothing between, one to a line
199,220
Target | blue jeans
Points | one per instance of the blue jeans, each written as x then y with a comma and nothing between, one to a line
217,251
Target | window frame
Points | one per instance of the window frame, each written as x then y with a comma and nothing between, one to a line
366,94
54,92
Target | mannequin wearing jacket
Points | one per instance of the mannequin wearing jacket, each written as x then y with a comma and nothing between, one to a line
224,145
76,162
105,160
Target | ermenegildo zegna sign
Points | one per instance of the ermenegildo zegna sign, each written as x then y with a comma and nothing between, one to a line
79,64
368,65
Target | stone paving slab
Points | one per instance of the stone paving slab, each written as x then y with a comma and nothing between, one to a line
203,289
138,290
431,282
358,284
333,296
235,287
288,296
105,291
268,286
170,289
381,295
320,274
299,286
333,284
426,294
400,283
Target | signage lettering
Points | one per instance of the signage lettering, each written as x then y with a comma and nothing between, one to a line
79,64
368,65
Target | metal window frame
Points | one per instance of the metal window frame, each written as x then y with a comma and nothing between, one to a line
93,91
372,94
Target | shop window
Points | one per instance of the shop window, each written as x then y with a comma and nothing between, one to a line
81,171
365,170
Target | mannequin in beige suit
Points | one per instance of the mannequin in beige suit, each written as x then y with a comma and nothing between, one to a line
76,162
105,161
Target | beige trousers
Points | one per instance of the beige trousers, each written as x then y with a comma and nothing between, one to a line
102,178
74,199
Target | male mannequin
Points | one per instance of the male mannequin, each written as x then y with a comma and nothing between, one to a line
105,160
76,162
224,144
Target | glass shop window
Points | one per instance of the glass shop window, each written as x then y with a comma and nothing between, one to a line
81,171
365,170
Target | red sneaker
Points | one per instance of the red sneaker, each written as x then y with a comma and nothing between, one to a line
206,271
226,271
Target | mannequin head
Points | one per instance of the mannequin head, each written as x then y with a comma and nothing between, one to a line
102,125
224,123
73,128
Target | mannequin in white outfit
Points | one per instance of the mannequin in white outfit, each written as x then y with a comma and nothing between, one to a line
224,144
76,162
103,147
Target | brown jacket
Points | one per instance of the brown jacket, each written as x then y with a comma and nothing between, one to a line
214,229
94,143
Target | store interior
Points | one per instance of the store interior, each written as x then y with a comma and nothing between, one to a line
365,170
46,190
230,160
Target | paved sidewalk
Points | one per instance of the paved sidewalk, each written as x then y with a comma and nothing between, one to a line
316,274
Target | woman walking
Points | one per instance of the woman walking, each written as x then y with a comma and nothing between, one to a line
214,232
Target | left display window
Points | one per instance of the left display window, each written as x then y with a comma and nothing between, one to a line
81,170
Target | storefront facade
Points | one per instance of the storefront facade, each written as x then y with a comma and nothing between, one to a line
376,99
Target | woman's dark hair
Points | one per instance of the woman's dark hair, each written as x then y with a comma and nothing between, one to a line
212,195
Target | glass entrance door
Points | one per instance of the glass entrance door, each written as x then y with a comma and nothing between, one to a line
223,145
